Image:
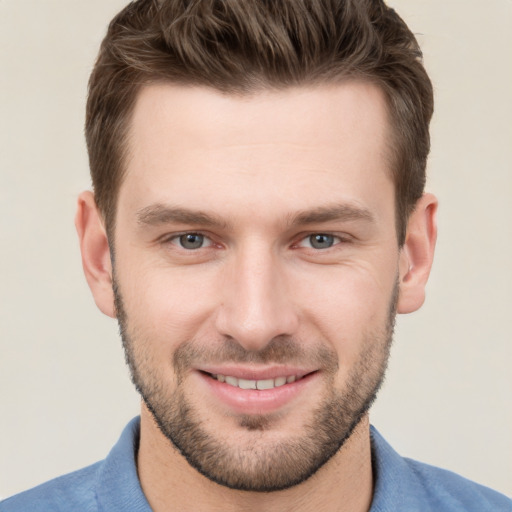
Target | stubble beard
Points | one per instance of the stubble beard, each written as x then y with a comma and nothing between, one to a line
260,464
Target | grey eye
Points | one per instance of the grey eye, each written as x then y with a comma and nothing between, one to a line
321,241
191,241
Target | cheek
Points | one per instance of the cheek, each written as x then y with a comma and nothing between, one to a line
347,306
166,305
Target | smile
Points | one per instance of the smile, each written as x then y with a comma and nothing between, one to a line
261,384
252,390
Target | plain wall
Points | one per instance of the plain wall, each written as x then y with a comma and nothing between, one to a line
65,393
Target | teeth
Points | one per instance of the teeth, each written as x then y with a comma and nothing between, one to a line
246,384
255,384
232,381
265,384
280,381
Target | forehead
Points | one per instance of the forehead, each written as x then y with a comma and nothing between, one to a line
199,115
195,144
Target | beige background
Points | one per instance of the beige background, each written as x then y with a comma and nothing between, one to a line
64,391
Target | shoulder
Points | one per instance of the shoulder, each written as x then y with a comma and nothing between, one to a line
74,491
447,491
405,485
110,485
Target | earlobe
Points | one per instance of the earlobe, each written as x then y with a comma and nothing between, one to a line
417,254
95,252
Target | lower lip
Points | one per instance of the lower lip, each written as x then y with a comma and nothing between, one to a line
252,401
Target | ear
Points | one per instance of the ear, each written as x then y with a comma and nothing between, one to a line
95,252
417,254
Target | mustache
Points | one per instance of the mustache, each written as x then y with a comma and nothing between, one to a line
280,350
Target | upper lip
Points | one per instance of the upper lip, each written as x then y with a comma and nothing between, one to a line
254,372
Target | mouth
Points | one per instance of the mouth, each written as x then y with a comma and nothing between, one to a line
260,384
246,391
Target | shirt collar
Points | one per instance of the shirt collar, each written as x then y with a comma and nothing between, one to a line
396,487
118,487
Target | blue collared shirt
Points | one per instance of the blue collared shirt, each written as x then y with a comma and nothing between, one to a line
401,485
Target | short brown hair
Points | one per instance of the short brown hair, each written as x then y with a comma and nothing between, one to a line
241,46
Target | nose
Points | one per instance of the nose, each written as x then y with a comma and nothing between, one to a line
256,303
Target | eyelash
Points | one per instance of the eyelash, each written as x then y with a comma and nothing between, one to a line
175,239
336,240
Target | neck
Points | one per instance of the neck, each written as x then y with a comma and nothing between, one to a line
169,483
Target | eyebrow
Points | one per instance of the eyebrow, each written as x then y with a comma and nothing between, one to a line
329,213
159,214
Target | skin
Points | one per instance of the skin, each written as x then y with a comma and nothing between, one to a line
254,165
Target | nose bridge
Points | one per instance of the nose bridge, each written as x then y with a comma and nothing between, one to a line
256,305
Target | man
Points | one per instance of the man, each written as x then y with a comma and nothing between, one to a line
258,219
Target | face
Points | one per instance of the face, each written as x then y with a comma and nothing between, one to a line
256,263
